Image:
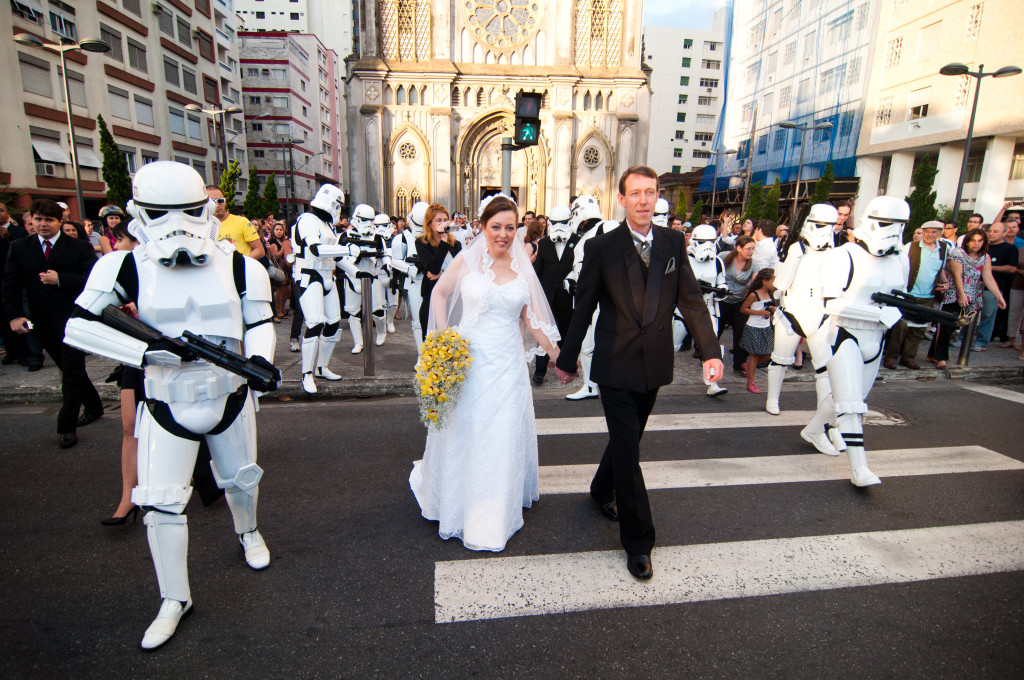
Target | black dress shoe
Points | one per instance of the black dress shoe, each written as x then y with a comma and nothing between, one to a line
68,440
8,359
33,367
89,418
640,566
538,379
608,509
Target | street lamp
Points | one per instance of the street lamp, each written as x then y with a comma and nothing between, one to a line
714,186
217,113
289,178
956,69
67,45
789,125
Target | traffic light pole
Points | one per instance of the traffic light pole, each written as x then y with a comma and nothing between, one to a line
506,165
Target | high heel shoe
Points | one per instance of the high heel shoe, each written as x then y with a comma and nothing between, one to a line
118,521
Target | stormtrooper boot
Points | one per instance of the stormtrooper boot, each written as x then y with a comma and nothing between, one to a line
391,311
168,544
309,355
243,514
817,433
323,357
589,389
861,475
776,373
355,325
381,327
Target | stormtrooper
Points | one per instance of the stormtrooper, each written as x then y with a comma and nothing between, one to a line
586,221
362,265
183,282
553,262
383,229
710,273
315,245
403,261
660,218
800,314
856,324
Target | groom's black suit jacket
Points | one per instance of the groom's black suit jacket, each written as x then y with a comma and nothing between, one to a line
633,334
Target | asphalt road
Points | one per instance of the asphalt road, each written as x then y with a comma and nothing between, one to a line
350,592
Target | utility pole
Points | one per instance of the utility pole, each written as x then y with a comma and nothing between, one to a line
750,161
506,165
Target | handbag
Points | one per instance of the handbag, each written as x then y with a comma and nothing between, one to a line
276,274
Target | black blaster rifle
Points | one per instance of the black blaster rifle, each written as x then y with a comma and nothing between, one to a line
912,311
260,374
708,288
367,247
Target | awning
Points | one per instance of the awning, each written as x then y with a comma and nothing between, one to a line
51,152
33,5
88,159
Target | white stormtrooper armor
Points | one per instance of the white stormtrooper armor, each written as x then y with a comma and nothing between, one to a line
403,247
856,324
361,266
589,389
660,217
584,213
709,270
181,280
801,312
383,229
316,249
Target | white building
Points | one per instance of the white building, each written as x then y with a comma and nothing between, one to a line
688,84
329,20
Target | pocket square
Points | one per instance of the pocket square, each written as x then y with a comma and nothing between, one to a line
671,266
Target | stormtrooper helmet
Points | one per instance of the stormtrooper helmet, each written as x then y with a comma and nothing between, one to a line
660,213
329,198
585,213
362,220
819,226
881,227
173,216
382,225
702,243
558,224
417,218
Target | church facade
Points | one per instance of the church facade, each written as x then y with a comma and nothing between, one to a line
432,94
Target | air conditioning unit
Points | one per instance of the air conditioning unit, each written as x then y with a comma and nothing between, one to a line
703,143
741,164
46,169
711,89
196,34
157,9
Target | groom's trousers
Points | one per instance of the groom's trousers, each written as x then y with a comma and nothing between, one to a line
626,415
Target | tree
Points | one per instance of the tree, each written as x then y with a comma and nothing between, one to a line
922,198
115,168
755,201
770,209
698,211
270,204
823,187
681,206
252,206
229,181
945,213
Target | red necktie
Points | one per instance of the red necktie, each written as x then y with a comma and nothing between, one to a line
46,250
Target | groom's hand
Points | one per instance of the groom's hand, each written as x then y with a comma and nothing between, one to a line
563,377
713,370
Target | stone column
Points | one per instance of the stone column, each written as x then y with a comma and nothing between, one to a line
900,174
950,161
869,169
995,174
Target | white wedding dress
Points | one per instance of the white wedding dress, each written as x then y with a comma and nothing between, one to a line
480,471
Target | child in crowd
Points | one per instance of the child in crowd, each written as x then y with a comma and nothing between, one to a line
758,337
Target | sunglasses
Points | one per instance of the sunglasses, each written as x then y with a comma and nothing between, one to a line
220,201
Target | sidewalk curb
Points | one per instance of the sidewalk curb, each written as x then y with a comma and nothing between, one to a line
365,388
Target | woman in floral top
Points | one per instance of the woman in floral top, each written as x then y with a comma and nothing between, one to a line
969,267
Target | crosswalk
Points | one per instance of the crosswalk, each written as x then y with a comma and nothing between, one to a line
494,587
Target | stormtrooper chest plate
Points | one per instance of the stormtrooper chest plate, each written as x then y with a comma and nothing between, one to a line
202,300
873,275
706,272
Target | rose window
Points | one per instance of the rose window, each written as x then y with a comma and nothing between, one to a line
591,157
503,24
407,151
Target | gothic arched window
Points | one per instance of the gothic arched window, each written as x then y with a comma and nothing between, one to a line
598,36
405,29
414,96
400,95
586,102
416,196
401,201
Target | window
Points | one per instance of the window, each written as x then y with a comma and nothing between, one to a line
706,101
677,153
143,111
883,112
974,22
252,72
133,6
279,73
839,29
684,80
712,46
282,128
771,64
784,96
188,80
709,82
257,127
780,140
713,64
205,45
767,103
790,54
832,79
255,100
261,15
165,19
119,106
686,62
703,136
687,43
35,75
854,77
804,91
1017,167
847,126
280,102
893,52
195,128
699,153
680,117
258,153
137,56
823,135
748,112
171,72
294,16
177,121
680,134
706,118
62,24
677,168
76,87
200,167
210,90
917,103
129,158
810,44
113,40
974,164
149,157
683,98
184,32
21,9
762,145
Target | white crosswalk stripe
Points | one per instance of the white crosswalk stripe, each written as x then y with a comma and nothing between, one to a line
698,421
997,392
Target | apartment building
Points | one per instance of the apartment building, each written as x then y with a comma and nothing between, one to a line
333,21
913,110
164,56
290,85
688,85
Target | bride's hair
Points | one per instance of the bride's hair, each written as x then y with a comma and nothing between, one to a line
497,205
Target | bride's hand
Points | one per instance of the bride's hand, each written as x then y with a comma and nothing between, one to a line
553,353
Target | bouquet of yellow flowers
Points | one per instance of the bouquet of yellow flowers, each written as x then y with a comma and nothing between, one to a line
444,361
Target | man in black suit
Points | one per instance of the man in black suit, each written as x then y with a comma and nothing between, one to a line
639,274
52,269
552,264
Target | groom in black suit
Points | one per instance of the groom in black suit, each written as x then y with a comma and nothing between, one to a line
639,274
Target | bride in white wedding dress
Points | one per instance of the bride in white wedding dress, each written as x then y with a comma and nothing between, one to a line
480,470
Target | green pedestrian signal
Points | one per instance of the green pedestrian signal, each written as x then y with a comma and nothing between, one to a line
527,131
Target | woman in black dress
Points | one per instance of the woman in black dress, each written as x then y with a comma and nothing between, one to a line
432,248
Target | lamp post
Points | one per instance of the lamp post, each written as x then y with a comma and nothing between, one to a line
289,179
67,45
714,185
789,125
308,161
219,124
956,69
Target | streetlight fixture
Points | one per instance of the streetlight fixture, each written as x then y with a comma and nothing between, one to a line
790,125
957,69
67,45
714,186
222,145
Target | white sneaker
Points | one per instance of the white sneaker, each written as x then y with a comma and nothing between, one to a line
818,440
165,623
357,349
584,392
308,384
257,555
327,374
716,390
293,346
862,476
